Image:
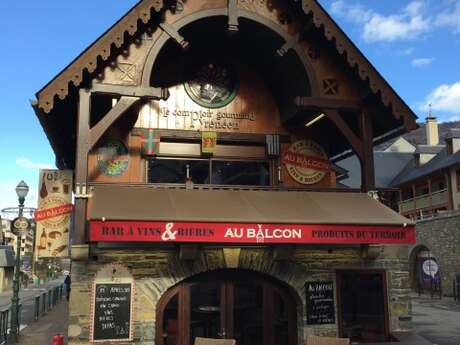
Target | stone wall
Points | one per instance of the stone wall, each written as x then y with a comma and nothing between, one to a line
441,236
155,271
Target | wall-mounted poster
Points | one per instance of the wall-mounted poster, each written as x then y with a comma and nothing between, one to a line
208,142
53,213
320,303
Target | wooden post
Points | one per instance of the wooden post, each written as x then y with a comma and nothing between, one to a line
450,195
81,165
367,162
430,193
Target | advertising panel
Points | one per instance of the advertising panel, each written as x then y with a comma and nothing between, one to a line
53,213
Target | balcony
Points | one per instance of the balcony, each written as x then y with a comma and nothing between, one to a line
435,199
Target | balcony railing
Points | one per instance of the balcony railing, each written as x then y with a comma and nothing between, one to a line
420,202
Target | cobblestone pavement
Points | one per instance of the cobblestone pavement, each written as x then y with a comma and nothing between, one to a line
437,320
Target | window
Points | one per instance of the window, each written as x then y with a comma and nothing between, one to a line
209,171
164,170
240,173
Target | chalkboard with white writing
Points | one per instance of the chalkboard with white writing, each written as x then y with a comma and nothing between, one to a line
320,303
112,312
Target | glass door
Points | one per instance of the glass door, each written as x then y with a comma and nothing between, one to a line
206,310
228,305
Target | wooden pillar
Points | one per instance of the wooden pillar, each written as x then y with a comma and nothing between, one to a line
81,166
367,162
430,193
450,196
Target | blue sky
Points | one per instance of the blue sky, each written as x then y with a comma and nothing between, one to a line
414,44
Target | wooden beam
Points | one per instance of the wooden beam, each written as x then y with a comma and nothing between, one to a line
172,32
288,45
81,166
155,93
367,161
108,120
318,103
233,15
342,126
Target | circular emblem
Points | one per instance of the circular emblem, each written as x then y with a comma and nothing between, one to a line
306,162
112,158
20,225
54,222
430,268
212,86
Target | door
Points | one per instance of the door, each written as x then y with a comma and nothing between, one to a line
363,311
252,309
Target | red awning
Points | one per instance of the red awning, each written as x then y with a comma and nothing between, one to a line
135,214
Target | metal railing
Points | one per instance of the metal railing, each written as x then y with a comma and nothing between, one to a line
42,304
434,199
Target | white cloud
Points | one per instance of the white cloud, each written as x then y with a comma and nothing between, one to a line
29,164
8,197
450,18
445,98
354,13
408,51
409,23
421,62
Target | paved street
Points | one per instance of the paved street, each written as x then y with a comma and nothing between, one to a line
437,320
27,300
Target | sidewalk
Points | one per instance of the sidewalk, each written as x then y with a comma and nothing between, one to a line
436,319
42,331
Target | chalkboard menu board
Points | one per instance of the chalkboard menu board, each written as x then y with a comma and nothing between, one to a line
320,303
112,312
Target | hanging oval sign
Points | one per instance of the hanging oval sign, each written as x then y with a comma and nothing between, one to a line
306,162
20,225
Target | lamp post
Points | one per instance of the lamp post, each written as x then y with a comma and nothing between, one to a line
18,226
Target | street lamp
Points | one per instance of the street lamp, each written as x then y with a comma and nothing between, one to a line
19,226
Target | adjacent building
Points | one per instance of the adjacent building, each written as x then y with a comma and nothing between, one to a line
418,175
202,135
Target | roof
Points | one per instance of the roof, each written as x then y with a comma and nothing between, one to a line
6,256
128,26
439,162
387,166
429,149
453,133
239,206
418,136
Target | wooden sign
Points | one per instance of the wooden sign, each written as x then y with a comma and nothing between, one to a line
112,312
320,303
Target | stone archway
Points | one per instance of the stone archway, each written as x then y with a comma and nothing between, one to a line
150,290
419,275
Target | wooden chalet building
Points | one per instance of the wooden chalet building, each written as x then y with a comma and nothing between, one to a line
203,136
